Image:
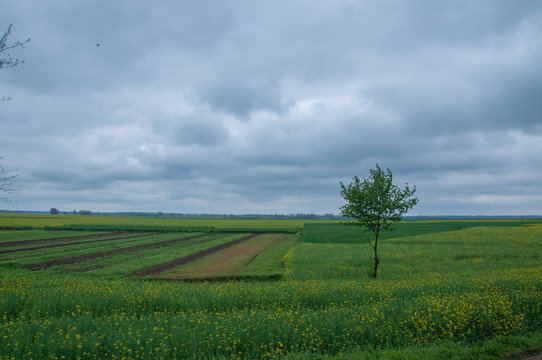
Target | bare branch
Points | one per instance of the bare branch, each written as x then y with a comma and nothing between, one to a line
6,186
8,61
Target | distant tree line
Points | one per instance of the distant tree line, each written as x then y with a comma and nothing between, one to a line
55,211
297,216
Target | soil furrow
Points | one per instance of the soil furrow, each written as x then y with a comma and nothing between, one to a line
158,269
75,259
75,243
37,241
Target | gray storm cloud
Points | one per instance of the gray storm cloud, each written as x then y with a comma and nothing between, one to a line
241,107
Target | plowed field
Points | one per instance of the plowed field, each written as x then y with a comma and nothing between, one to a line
222,263
164,255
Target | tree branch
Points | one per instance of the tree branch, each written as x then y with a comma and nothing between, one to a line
9,62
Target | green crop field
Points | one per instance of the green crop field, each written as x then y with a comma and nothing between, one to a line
111,223
446,289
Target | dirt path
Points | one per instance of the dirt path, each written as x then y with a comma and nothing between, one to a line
75,243
75,259
158,269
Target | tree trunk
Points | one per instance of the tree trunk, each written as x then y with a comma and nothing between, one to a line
375,270
375,266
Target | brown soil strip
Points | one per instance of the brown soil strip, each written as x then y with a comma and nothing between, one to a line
158,269
38,241
81,258
228,261
75,243
275,238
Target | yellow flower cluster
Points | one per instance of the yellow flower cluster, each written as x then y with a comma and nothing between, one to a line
120,319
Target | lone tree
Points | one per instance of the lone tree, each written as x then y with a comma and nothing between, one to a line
376,204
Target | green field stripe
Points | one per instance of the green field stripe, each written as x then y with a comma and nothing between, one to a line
271,260
158,269
224,263
42,240
88,249
22,259
8,236
124,263
63,244
25,258
75,259
110,223
334,232
69,248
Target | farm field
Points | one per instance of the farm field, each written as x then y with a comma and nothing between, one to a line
111,223
444,286
187,255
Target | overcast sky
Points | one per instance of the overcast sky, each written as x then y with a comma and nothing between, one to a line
265,106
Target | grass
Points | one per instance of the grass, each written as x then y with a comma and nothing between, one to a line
500,347
272,259
17,235
321,318
333,232
455,290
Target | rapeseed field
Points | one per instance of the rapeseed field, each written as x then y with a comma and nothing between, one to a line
96,222
460,286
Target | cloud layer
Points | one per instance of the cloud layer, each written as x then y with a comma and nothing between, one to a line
244,107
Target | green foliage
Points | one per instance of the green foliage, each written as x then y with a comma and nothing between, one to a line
375,203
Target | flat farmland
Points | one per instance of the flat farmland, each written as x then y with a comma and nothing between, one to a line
112,223
141,253
446,289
